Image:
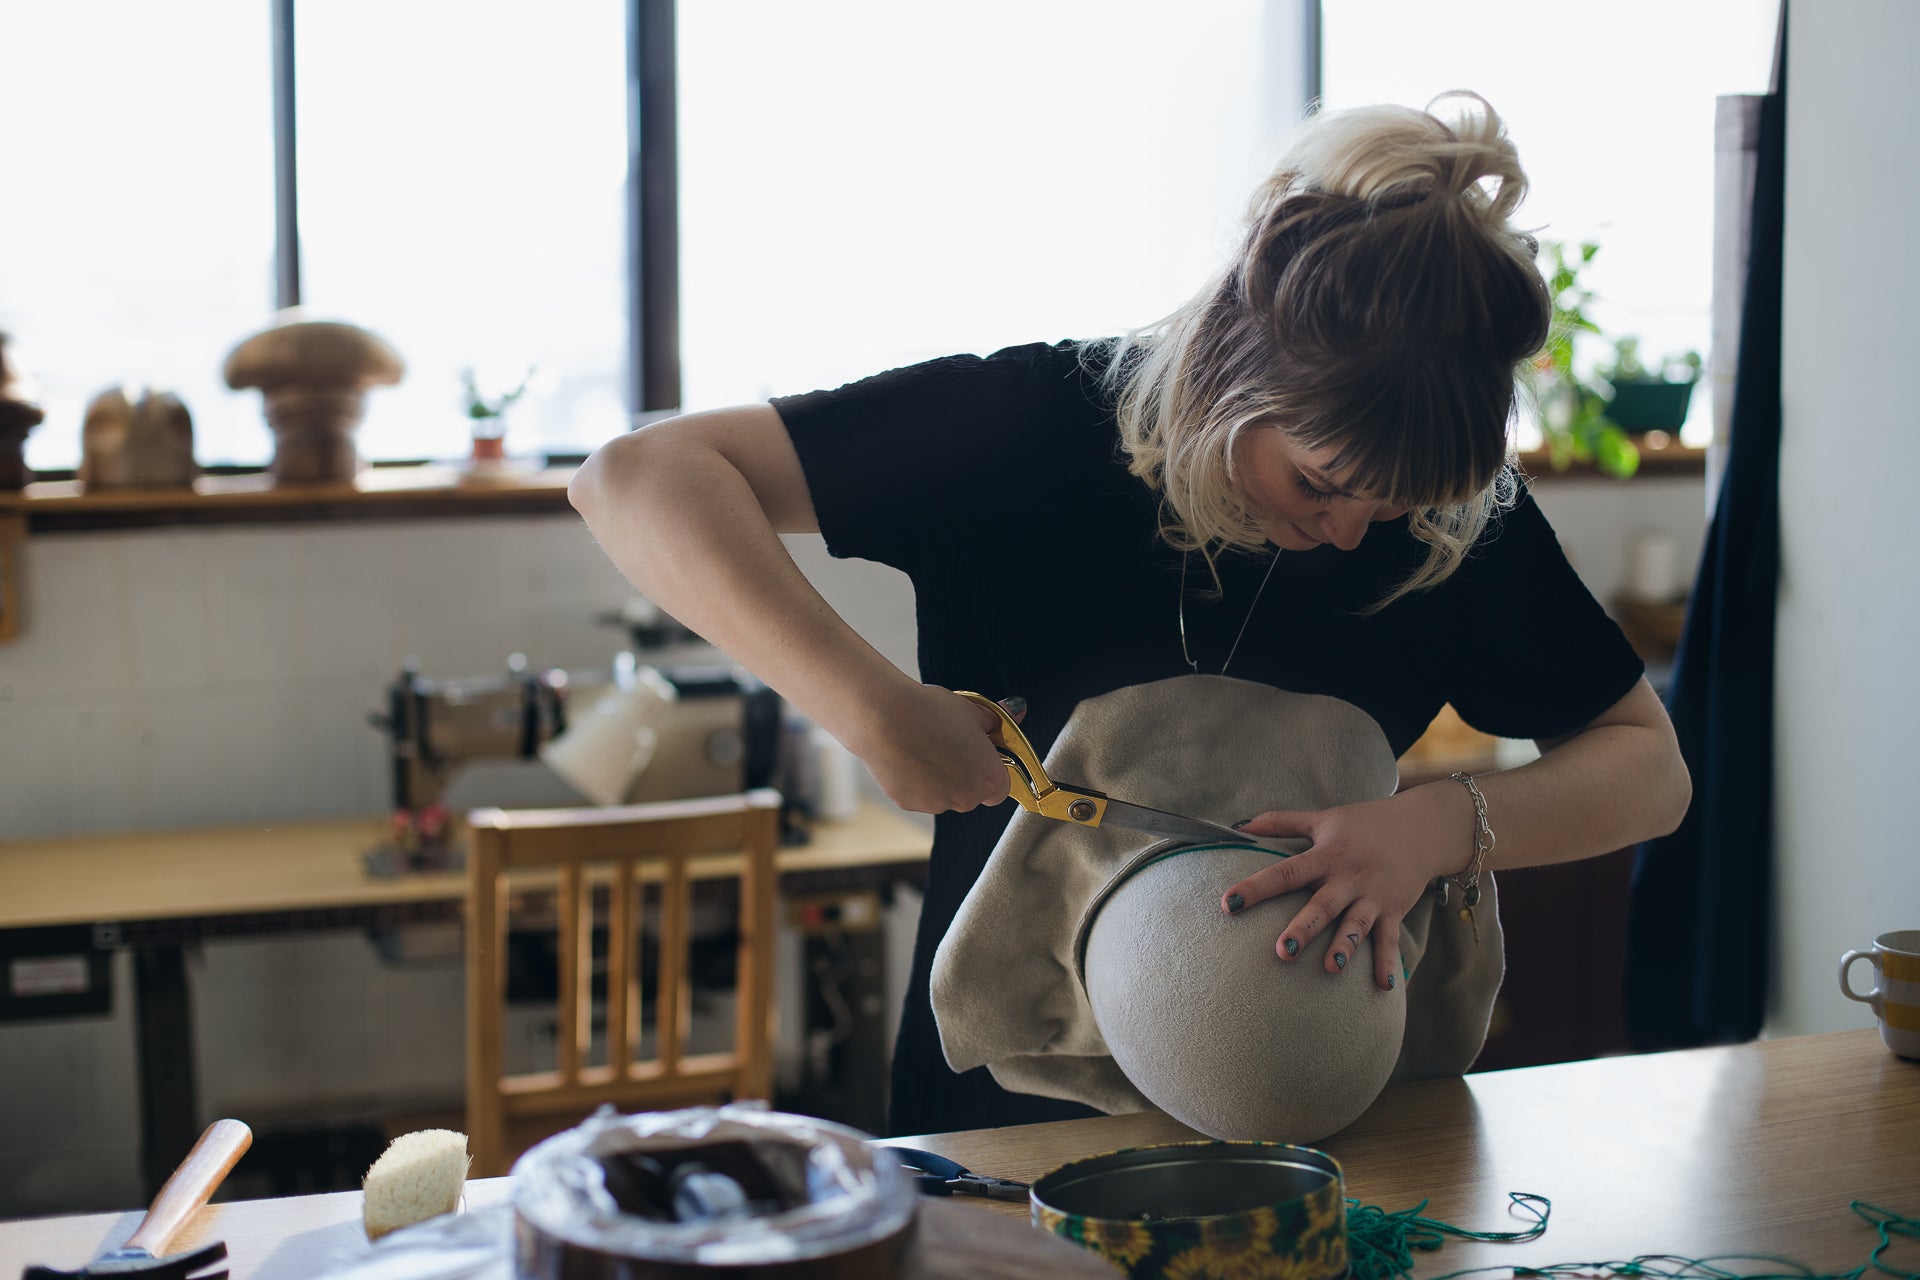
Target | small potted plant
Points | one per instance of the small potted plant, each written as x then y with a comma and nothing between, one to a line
1573,414
1649,398
489,417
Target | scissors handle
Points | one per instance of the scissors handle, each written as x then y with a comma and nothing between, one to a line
1027,778
939,1176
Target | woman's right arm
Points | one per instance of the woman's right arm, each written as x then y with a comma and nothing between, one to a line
691,510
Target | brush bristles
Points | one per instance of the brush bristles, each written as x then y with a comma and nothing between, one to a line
418,1176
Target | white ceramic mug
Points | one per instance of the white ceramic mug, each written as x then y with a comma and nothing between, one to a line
607,747
1895,998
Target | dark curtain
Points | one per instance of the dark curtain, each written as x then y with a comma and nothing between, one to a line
1700,910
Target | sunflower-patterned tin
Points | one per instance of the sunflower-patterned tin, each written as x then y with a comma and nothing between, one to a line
1203,1211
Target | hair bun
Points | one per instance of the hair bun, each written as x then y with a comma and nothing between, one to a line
1479,150
1395,156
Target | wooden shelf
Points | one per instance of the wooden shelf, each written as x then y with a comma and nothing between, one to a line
424,492
1672,459
378,493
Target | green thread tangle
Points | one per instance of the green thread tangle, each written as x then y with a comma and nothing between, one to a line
1381,1245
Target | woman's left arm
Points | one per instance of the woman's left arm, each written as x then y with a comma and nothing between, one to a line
1617,781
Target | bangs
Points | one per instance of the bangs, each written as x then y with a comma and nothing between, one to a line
1414,437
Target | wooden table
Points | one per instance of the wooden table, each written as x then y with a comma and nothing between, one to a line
153,883
158,892
305,1237
1750,1149
1753,1148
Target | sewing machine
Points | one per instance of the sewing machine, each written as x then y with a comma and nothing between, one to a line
720,732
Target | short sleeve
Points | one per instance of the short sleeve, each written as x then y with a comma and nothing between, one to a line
1529,653
896,462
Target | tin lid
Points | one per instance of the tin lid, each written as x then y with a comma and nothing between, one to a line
1185,1181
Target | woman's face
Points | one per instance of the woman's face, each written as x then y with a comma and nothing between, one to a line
1295,500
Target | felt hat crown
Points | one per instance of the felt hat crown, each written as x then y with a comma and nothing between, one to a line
1095,964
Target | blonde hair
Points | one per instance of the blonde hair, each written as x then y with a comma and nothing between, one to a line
1380,305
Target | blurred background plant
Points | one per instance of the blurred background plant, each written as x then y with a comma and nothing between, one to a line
489,413
1573,418
1628,367
1592,413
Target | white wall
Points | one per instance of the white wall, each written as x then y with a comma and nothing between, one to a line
1594,519
1849,611
174,678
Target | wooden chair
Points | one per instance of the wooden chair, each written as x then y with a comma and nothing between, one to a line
670,844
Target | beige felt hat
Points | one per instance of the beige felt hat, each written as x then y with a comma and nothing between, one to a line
1096,965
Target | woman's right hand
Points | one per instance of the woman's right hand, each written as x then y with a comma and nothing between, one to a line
691,510
928,749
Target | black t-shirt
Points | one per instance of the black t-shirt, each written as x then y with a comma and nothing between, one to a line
999,487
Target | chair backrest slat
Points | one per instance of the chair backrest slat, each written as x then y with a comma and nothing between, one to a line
620,963
568,950
672,996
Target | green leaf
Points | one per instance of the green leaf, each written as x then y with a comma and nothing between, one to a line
1617,455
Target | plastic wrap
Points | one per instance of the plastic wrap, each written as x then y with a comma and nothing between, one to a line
783,1188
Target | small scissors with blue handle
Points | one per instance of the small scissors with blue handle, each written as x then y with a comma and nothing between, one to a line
939,1176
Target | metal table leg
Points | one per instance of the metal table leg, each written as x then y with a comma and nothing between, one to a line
163,1013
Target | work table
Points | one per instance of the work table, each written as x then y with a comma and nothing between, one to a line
157,893
1745,1149
287,867
1754,1148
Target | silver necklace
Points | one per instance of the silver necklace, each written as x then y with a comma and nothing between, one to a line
1191,662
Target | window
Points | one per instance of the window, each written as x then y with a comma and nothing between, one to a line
136,224
867,184
863,184
1611,103
463,194
462,179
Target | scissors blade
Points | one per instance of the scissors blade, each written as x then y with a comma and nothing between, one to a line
1158,822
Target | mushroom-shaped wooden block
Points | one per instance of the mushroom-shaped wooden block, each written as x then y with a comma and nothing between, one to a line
313,376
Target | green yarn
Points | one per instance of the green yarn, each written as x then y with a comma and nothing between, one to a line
1381,1245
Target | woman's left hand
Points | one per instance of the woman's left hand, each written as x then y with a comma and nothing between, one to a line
1371,862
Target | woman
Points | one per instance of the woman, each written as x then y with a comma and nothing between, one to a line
1299,478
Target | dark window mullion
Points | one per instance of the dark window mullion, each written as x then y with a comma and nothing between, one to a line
653,208
286,241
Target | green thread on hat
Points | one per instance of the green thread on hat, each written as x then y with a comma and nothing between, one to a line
1381,1246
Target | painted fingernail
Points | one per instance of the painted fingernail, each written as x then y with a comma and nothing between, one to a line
1242,824
1340,960
1292,946
1235,902
1016,705
1389,982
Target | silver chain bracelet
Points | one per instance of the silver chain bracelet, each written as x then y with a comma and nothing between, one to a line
1468,881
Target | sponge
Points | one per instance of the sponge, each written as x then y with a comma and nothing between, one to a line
418,1176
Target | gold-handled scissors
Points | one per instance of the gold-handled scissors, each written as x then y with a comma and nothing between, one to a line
1037,793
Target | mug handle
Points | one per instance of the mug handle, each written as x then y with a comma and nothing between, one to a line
1846,962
